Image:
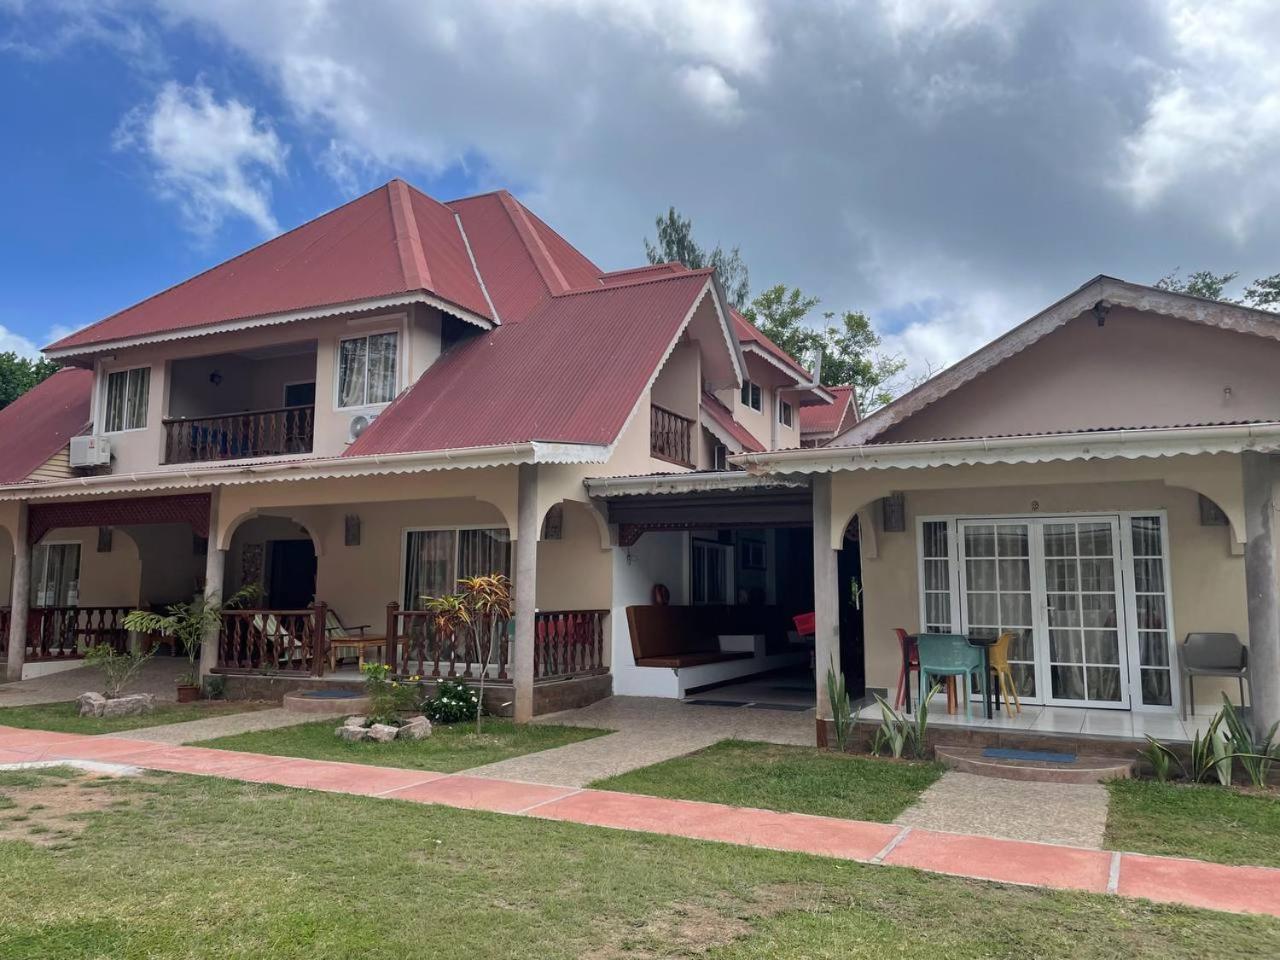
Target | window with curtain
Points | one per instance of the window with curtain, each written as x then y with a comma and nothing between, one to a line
751,396
935,549
127,395
710,571
1151,597
367,370
55,580
436,559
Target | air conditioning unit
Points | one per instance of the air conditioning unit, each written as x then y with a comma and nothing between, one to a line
90,451
359,424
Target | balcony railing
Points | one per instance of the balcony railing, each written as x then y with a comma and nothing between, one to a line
236,436
671,436
274,641
64,633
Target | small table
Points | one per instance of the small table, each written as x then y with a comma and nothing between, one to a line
358,644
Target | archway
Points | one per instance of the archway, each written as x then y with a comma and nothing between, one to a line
277,555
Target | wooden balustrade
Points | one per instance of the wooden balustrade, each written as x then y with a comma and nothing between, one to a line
64,633
6,616
568,642
287,641
233,436
416,648
670,436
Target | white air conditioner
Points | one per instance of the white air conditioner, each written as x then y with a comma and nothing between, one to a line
359,424
90,451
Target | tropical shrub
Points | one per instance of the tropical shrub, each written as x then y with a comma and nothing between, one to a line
1255,756
117,668
899,733
382,692
841,708
454,702
189,623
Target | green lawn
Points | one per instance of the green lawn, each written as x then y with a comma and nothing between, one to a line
1185,820
180,867
63,718
447,750
776,777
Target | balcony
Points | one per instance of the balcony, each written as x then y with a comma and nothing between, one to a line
237,436
670,436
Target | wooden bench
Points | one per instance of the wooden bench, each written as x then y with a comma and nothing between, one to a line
670,636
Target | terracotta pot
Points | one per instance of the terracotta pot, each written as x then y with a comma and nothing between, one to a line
187,692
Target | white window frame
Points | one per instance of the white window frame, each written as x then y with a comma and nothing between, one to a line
727,551
398,333
38,576
455,528
104,406
752,396
284,389
786,413
719,457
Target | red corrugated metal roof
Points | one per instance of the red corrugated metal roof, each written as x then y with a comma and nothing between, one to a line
571,372
830,418
1067,431
747,332
393,240
41,421
723,416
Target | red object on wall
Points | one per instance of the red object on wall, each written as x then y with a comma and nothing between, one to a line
190,508
806,624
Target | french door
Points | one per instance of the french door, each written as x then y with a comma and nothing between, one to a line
1056,585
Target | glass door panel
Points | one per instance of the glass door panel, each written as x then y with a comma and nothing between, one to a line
997,590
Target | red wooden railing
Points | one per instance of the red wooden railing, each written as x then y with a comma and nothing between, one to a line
289,641
671,436
64,633
5,616
415,648
232,436
568,642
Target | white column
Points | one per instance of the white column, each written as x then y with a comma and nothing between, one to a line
826,595
215,566
1262,587
526,589
19,598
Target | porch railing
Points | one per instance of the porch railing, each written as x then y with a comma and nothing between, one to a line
64,633
234,436
5,617
671,436
568,642
415,647
285,641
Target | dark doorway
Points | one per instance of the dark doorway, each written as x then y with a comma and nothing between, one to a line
292,575
849,587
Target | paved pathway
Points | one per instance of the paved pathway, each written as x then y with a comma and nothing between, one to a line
649,730
223,725
1170,880
158,676
1074,814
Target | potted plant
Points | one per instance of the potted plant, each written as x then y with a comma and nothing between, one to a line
189,623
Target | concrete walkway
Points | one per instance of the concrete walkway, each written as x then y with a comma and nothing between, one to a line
1074,814
648,730
223,725
1166,879
159,676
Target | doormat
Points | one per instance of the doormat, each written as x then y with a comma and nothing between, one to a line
1039,756
716,703
792,707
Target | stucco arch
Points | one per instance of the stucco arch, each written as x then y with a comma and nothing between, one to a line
305,517
587,508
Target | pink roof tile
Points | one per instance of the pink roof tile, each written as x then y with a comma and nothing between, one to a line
831,417
723,416
41,421
570,372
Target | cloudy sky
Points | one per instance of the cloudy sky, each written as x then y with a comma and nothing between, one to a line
949,167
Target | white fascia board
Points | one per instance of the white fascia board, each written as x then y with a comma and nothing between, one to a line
721,480
269,320
720,433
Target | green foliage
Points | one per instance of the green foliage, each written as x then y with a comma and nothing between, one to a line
1262,294
215,686
675,244
841,708
19,374
117,668
1255,756
899,732
189,623
1160,757
851,348
454,702
383,694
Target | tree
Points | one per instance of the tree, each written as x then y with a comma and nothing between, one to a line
675,243
851,348
19,374
1262,294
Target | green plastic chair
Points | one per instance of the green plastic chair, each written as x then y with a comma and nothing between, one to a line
950,655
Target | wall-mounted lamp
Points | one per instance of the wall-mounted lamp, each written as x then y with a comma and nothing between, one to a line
215,378
1100,311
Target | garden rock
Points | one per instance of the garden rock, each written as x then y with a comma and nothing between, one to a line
415,728
352,734
96,705
354,722
383,732
91,704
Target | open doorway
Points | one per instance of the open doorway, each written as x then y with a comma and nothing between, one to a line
291,577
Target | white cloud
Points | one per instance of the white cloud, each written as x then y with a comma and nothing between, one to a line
17,343
708,87
213,159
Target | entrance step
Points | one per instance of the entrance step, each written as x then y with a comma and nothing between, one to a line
1035,766
328,702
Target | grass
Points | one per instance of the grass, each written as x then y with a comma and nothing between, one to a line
207,868
63,717
777,777
447,750
1189,820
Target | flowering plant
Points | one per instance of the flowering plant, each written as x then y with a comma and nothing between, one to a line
383,692
453,702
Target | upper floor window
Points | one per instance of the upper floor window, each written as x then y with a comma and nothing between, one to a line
367,370
751,396
127,395
786,415
719,457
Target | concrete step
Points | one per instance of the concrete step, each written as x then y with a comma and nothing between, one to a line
326,702
1083,769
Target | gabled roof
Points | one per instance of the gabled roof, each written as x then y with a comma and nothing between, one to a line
571,372
1099,294
829,420
721,417
41,421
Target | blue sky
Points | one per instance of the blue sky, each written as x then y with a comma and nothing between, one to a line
948,166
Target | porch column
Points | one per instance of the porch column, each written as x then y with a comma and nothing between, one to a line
526,589
215,565
826,599
19,598
1261,504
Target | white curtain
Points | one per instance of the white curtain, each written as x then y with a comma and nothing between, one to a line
429,557
382,368
352,360
484,552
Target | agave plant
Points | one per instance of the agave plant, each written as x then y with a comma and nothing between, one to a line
841,708
1255,756
895,732
1160,757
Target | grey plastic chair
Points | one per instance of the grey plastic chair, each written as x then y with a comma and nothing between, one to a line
1213,655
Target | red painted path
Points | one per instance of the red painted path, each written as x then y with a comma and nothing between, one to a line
1167,879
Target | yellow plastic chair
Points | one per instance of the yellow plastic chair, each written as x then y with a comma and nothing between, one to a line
998,656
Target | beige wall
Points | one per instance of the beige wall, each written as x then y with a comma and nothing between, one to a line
575,572
171,570
106,579
763,424
1139,369
679,384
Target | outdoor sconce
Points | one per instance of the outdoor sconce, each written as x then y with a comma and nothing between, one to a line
893,513
351,530
215,378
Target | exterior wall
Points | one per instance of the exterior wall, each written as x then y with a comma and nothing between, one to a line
655,558
679,385
171,570
257,532
763,424
1139,369
57,467
106,579
138,450
575,572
